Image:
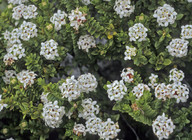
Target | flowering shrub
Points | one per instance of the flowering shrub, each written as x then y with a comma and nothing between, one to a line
95,69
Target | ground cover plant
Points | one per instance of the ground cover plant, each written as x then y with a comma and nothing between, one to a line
95,69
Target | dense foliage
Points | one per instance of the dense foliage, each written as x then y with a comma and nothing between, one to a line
95,69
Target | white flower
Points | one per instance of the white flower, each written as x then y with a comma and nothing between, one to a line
10,138
86,42
127,75
8,75
17,51
87,83
116,90
70,89
30,12
176,75
189,0
90,109
130,51
179,92
53,114
162,91
93,125
186,32
49,49
165,15
18,11
27,12
178,47
153,81
12,37
139,90
1,104
109,130
86,2
26,77
9,59
58,19
44,98
14,2
28,30
79,129
77,18
163,127
138,32
123,8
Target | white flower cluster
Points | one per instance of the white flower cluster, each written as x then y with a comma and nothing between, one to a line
175,90
139,90
12,37
70,89
124,8
77,18
27,12
138,32
86,2
106,130
176,75
178,47
130,51
116,90
186,32
49,49
28,30
163,127
153,81
15,52
127,75
8,75
178,91
162,91
14,2
87,83
86,42
109,130
189,0
79,129
52,114
93,125
26,77
165,15
90,109
1,104
58,19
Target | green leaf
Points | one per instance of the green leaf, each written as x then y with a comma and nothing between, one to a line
167,62
179,16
